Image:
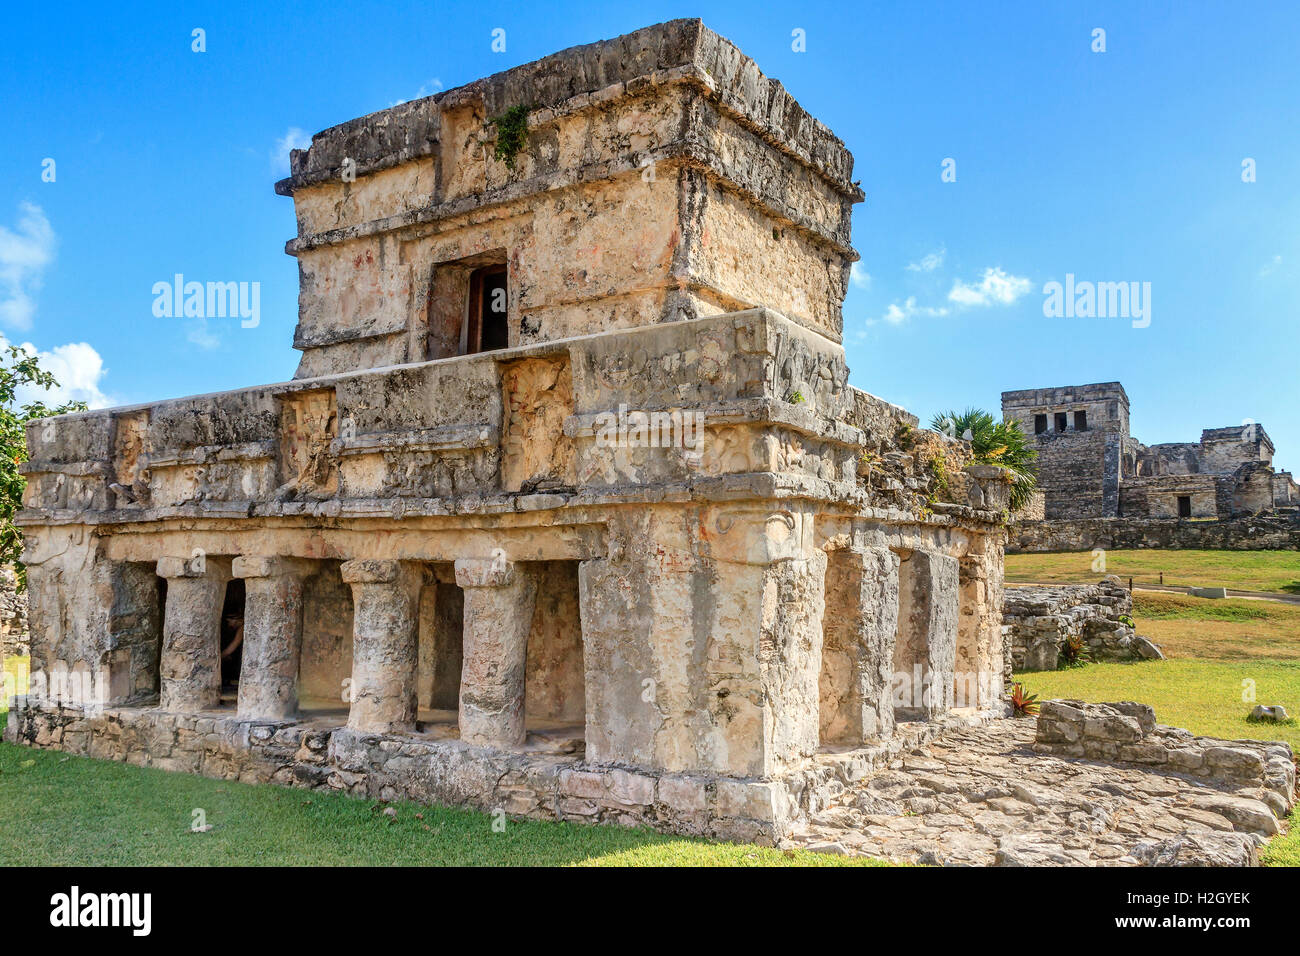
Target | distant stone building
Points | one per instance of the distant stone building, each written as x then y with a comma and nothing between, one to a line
1091,467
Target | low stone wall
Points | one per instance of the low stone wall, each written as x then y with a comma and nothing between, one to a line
1262,774
1037,620
14,641
544,786
1275,532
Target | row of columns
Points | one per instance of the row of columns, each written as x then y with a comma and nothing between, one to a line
499,602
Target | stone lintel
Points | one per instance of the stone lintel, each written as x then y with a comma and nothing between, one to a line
195,566
268,566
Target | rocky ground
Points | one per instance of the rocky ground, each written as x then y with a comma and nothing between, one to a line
981,796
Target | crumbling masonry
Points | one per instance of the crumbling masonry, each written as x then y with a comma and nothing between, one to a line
464,566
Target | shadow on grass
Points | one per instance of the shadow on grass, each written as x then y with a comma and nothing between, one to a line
61,810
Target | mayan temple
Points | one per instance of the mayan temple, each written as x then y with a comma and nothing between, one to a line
569,511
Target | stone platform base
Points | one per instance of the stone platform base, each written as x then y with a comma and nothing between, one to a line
988,796
539,782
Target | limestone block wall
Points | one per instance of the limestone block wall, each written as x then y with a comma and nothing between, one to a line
1158,497
13,617
1252,533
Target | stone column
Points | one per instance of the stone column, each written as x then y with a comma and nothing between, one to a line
859,630
500,597
979,674
385,644
268,677
190,670
926,648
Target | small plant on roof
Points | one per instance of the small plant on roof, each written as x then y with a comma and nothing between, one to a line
512,134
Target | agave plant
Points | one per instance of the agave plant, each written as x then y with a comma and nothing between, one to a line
995,443
1074,652
1022,704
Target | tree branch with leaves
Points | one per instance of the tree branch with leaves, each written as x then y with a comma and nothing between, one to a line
19,371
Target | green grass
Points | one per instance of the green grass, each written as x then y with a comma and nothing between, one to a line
1285,850
1241,570
1227,630
57,810
1203,696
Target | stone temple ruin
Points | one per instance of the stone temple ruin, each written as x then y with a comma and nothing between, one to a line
1091,467
570,509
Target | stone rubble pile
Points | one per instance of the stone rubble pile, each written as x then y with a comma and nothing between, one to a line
1037,620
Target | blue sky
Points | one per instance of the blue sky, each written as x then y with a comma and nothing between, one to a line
1117,166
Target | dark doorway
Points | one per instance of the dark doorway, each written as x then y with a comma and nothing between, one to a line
1080,421
1060,421
1040,424
232,636
1184,506
488,308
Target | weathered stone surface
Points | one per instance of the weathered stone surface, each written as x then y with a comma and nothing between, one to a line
272,645
384,644
1199,849
926,648
190,667
978,795
1127,731
499,603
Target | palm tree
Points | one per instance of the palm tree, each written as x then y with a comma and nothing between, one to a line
995,443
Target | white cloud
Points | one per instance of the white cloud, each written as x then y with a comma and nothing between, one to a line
1270,266
995,287
928,263
198,333
859,276
426,89
24,255
898,313
293,138
78,369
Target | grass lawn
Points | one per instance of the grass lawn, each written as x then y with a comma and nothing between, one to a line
1203,696
1285,850
58,810
1242,570
1226,630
